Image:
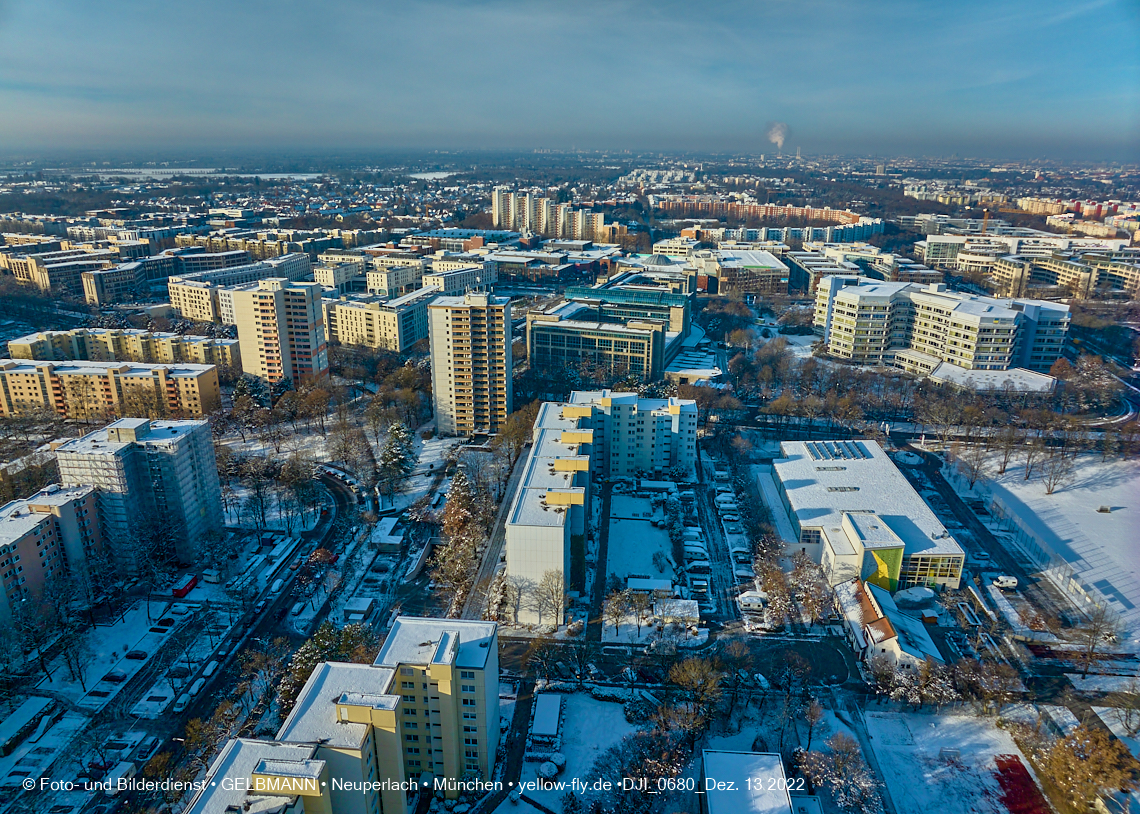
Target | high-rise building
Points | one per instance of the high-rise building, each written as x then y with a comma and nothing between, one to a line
164,470
54,529
599,433
425,712
281,329
197,296
470,362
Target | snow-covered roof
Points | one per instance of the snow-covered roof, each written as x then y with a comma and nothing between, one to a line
913,637
416,640
825,479
547,710
314,717
238,761
1017,377
746,788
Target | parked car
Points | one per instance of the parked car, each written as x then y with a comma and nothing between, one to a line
178,671
181,704
137,655
197,686
147,748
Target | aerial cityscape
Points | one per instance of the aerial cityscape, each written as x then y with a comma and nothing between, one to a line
721,410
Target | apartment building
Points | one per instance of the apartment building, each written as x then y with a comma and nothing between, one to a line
281,330
426,711
95,390
394,276
126,345
458,281
130,281
199,296
59,273
918,327
56,529
597,433
470,362
534,213
341,277
394,324
158,469
852,511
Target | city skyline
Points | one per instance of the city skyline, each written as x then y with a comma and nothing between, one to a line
1002,83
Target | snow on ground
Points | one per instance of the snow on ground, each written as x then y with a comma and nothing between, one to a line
589,727
34,758
800,346
275,519
507,699
919,778
1103,548
107,646
1114,719
1095,683
633,539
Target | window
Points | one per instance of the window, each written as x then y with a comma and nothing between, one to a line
468,688
408,685
413,750
412,738
468,702
406,671
467,674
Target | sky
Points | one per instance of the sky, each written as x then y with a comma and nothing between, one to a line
1008,79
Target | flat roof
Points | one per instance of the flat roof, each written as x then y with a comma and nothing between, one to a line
1018,378
238,760
98,442
547,713
749,774
825,479
314,718
415,640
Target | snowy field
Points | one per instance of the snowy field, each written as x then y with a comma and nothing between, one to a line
1102,547
633,539
590,727
922,778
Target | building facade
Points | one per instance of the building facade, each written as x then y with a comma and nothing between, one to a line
54,530
163,470
197,296
281,330
394,324
89,391
471,363
126,345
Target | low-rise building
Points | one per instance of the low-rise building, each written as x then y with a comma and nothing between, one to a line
126,345
852,511
96,390
876,627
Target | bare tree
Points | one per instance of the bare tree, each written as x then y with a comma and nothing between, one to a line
1101,627
550,596
1057,469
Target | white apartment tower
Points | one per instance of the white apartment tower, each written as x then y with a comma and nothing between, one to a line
281,330
470,362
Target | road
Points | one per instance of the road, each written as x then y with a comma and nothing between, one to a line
721,582
476,603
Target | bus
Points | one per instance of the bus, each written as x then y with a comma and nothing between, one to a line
184,586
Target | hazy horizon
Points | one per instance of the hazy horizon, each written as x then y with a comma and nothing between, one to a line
1020,80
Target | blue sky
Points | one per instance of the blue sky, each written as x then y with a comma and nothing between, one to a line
1020,78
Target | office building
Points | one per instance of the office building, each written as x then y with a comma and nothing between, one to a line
281,330
471,363
54,530
126,345
597,433
394,324
918,327
740,272
852,511
89,391
199,296
163,470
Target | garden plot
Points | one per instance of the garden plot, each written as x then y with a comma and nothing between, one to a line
952,764
634,541
589,728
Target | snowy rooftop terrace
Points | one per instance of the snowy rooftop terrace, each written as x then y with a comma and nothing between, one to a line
824,479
